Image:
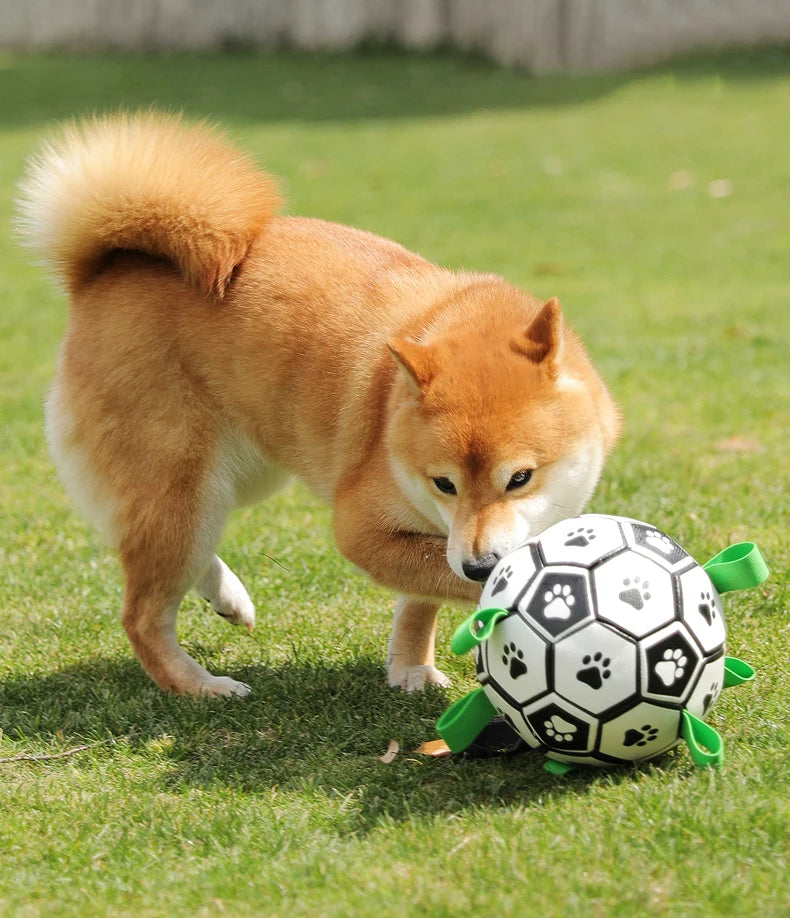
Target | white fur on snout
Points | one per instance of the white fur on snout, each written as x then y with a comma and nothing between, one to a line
564,488
418,491
568,483
456,564
511,532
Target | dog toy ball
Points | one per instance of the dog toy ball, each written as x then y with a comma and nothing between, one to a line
601,641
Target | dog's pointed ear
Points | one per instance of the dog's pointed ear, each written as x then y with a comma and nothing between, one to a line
416,361
542,340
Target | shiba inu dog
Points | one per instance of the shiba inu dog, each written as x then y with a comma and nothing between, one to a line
215,348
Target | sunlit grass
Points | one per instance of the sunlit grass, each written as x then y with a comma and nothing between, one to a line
595,189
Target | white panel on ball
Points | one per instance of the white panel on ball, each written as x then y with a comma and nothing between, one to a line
641,732
708,688
516,659
508,579
702,609
596,668
584,540
635,593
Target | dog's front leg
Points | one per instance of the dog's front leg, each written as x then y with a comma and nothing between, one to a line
416,566
410,654
412,563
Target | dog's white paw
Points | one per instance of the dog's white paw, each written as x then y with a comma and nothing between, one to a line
415,678
227,595
236,606
223,687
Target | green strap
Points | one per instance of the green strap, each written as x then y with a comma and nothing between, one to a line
738,567
705,745
554,767
461,723
475,629
736,672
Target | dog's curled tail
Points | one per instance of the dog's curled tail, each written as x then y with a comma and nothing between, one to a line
145,182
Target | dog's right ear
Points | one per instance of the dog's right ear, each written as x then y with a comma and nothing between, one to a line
417,363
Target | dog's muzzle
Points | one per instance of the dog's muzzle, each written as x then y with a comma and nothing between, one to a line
479,568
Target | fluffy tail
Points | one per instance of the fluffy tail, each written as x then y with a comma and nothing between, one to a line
148,183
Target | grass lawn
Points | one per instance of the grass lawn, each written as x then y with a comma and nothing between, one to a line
596,189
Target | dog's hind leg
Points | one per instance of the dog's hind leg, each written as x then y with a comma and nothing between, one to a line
159,568
168,544
410,656
149,617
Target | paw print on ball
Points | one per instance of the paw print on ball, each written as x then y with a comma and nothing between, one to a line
636,594
712,694
509,579
596,669
559,730
659,542
501,580
670,664
707,607
557,601
703,609
708,687
513,659
641,737
659,546
560,726
579,538
672,667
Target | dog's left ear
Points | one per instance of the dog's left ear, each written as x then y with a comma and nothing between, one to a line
542,340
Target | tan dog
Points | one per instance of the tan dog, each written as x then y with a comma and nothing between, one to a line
214,348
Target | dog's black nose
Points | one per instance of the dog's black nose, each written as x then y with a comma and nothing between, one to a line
479,568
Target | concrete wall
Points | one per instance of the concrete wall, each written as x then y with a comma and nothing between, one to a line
540,35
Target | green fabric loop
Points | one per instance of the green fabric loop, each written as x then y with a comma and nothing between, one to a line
738,567
736,672
704,742
461,723
553,767
475,629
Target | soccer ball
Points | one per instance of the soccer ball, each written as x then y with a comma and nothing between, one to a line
613,630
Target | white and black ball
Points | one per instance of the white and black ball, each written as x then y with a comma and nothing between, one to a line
613,631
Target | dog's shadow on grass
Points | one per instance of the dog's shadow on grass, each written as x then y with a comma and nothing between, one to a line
314,730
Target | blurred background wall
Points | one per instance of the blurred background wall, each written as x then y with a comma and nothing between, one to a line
539,35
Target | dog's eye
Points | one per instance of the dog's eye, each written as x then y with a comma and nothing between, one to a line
519,479
445,485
